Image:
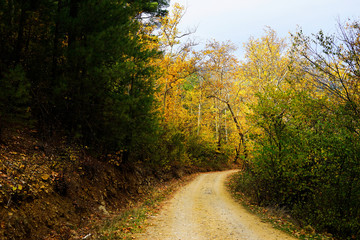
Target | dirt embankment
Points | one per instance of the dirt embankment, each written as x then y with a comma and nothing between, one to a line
205,210
57,191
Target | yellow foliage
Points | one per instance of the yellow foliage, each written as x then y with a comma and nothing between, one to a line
45,177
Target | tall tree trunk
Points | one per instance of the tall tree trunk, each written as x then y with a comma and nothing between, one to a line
242,143
164,99
20,36
226,130
219,129
56,43
74,10
216,121
199,115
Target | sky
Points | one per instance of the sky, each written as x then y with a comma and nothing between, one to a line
238,20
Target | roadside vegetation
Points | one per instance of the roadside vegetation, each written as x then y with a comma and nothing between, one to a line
136,218
278,217
305,139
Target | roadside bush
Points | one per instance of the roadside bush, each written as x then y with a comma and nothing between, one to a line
306,159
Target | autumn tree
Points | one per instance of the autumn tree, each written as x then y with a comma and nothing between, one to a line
223,86
177,63
265,61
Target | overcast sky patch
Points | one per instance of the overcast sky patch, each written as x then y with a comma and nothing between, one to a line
237,20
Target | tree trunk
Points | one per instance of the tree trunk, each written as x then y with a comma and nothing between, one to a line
199,112
56,43
226,130
199,118
241,135
19,41
74,10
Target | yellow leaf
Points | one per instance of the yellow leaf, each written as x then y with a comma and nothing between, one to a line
19,187
45,177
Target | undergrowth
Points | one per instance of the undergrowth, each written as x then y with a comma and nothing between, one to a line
278,217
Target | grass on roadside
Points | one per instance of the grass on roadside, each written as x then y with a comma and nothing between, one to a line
134,219
276,216
125,224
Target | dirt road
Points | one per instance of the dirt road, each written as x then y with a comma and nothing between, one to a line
205,210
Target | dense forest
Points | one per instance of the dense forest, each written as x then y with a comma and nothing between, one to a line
119,80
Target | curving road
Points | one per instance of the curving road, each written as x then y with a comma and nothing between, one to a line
205,210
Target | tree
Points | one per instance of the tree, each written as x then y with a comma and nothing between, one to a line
24,52
305,133
265,61
176,64
223,85
86,65
335,63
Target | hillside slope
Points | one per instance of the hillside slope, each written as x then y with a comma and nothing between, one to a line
53,190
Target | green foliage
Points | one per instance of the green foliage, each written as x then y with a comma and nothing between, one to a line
174,148
306,160
278,216
170,150
106,87
82,68
306,142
